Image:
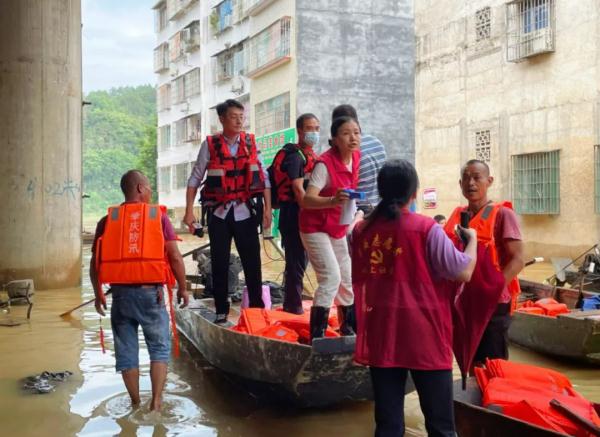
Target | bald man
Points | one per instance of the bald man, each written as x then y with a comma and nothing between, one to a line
136,282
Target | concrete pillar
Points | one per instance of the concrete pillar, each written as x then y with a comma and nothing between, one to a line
40,141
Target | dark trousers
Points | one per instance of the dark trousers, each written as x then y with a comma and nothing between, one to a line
494,342
296,259
435,397
245,235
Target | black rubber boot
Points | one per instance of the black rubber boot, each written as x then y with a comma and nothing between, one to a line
319,317
346,319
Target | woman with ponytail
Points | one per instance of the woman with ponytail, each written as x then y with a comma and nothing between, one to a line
322,234
401,264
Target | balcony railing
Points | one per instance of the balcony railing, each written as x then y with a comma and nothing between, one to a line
270,47
176,8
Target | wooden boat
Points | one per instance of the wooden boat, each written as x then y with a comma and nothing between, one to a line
575,335
308,376
474,420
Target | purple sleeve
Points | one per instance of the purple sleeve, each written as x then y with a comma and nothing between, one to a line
168,230
100,226
445,261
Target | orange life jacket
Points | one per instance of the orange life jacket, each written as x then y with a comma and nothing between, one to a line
132,248
229,177
524,392
281,184
484,223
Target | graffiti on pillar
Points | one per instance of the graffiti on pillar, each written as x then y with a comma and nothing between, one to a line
66,187
31,188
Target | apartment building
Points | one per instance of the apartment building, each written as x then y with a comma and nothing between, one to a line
279,58
516,84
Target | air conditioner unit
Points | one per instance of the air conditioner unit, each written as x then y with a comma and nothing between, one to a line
237,85
174,72
185,107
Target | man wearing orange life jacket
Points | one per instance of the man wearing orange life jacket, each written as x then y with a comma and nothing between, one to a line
235,177
498,230
135,251
292,168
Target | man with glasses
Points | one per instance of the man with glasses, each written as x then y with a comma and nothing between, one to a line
235,187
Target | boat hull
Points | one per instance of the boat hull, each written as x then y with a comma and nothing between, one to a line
574,336
307,376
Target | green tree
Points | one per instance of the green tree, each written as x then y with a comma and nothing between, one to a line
119,130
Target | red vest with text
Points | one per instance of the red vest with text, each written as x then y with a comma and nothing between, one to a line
132,248
229,177
484,222
403,316
283,184
328,219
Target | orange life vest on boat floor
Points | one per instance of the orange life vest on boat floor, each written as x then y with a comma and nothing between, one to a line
280,325
524,392
544,307
132,248
484,223
229,177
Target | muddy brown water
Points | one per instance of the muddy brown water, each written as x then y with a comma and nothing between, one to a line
199,400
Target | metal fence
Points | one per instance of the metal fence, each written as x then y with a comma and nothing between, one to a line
536,183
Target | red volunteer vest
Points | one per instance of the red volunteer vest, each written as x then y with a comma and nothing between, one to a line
328,219
484,222
404,318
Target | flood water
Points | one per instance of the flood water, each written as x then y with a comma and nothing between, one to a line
198,400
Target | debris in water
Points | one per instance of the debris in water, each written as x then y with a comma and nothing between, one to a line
45,382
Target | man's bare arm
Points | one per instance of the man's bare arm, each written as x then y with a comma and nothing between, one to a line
178,267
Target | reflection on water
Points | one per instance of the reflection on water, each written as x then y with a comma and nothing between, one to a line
198,401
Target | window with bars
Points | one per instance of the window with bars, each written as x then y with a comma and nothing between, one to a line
231,62
221,17
163,97
190,36
178,90
597,177
177,8
530,28
272,115
536,183
164,137
269,47
483,145
187,130
175,47
164,179
160,17
161,57
483,24
181,175
191,83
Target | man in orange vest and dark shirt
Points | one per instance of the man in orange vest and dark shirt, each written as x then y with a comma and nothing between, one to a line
235,180
497,229
135,251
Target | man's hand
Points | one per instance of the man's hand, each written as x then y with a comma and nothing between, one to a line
100,303
267,218
183,298
189,219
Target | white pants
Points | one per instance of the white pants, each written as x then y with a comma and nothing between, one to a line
330,259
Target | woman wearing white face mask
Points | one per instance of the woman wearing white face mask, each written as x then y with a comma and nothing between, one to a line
322,233
290,173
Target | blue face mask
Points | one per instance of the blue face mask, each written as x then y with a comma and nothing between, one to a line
311,138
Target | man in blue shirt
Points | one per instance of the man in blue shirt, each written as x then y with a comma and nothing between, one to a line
372,158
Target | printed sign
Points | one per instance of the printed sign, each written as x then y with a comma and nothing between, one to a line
270,144
429,198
